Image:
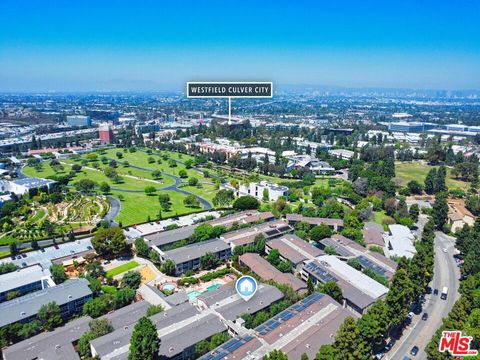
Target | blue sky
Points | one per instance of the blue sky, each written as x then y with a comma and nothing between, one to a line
131,45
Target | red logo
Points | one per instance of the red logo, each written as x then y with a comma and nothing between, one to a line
456,344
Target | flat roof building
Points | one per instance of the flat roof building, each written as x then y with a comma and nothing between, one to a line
69,296
266,271
358,290
293,249
400,241
301,328
163,238
335,224
229,305
25,280
188,257
79,120
179,328
247,236
58,344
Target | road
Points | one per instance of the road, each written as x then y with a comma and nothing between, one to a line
446,274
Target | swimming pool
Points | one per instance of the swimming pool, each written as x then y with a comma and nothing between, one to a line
213,287
168,287
192,295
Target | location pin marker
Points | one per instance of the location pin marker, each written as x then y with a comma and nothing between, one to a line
246,287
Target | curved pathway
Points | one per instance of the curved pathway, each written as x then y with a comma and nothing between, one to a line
173,187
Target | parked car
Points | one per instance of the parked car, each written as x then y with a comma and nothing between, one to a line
435,292
388,347
407,358
56,246
42,250
24,264
24,256
424,316
414,350
89,247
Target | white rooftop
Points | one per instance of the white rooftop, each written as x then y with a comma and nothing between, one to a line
401,241
354,277
21,277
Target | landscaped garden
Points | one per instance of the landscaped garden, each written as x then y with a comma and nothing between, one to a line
138,178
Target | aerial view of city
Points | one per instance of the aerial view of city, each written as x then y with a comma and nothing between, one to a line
239,180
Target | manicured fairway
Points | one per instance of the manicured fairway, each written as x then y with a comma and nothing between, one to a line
407,171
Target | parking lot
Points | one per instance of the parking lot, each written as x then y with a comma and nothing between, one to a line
45,256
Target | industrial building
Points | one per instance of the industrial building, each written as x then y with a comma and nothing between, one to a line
79,121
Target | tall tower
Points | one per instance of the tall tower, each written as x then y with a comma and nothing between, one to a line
105,133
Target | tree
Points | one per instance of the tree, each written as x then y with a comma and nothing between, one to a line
95,269
30,329
440,210
349,344
13,246
150,190
144,342
156,174
275,355
164,200
192,181
183,174
320,232
414,212
414,187
105,188
223,197
95,285
373,325
98,306
331,288
76,167
110,241
430,181
34,244
310,286
98,327
246,202
141,247
132,279
440,180
58,273
85,186
123,297
49,316
326,352
191,201
168,267
208,261
154,309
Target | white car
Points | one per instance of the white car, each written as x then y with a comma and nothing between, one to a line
444,250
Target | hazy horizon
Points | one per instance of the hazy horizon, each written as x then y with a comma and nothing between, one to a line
152,46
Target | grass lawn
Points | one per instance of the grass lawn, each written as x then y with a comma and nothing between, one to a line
136,207
407,171
97,176
107,289
205,190
122,268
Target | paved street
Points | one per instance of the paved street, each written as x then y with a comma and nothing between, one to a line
446,274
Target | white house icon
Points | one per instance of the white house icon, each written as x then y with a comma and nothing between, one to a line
246,286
